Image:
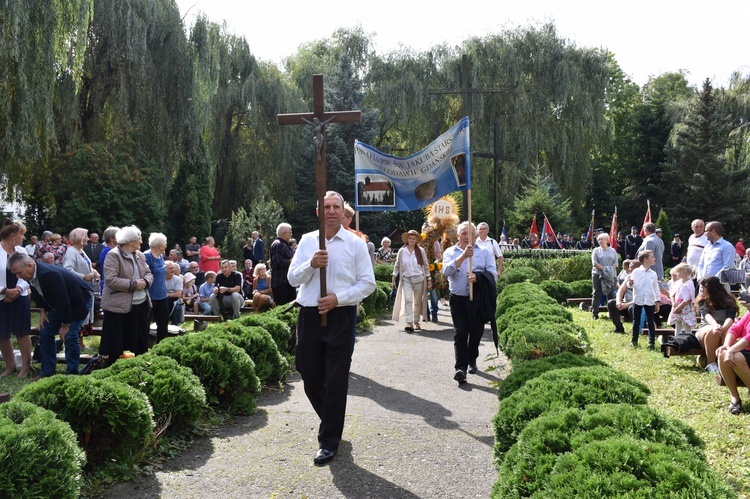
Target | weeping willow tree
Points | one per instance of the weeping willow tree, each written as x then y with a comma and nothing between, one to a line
550,104
42,46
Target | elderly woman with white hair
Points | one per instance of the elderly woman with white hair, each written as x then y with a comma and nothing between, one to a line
603,273
77,262
125,300
384,255
157,244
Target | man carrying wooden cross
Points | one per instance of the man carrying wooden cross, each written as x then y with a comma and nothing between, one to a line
332,255
324,352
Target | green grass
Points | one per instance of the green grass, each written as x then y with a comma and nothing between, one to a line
681,389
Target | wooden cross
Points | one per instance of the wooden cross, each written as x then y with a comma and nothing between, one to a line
465,91
318,119
496,157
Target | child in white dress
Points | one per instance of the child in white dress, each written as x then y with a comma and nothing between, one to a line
682,292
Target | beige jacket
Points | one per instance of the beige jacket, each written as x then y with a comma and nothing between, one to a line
119,283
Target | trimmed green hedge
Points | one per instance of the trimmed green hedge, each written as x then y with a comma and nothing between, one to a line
383,272
558,290
270,365
516,275
39,453
581,288
530,312
377,302
529,370
112,420
278,329
521,293
562,388
289,318
627,467
175,393
543,338
529,461
226,372
551,264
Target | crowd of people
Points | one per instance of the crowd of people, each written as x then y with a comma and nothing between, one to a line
71,277
695,297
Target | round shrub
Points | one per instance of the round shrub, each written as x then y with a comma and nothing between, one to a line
376,302
270,365
535,340
277,327
530,370
562,388
226,372
528,312
558,290
175,393
519,274
627,467
112,420
521,293
289,317
581,289
530,460
40,453
383,272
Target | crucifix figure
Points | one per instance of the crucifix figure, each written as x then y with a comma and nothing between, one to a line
318,135
318,119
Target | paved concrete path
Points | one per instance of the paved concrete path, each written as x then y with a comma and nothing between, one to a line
410,432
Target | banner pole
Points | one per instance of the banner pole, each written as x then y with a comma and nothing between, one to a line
471,242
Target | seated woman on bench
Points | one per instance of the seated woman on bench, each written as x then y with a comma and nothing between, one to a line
734,358
718,310
262,292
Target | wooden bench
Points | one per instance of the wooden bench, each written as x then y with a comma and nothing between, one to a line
203,318
720,381
95,331
582,303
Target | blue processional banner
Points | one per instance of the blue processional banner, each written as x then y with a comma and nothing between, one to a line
383,182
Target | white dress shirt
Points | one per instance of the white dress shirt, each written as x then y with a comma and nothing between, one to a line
458,277
349,273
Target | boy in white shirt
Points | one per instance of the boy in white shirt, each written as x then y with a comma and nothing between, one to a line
645,296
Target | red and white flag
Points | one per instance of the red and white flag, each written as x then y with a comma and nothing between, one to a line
534,232
613,231
548,231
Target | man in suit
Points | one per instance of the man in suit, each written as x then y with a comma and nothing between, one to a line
93,249
259,250
64,299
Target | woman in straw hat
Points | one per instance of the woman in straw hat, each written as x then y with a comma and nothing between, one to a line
413,270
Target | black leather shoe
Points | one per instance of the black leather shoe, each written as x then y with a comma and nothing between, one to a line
323,456
460,376
473,369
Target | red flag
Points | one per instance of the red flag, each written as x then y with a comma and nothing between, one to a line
547,230
646,219
534,232
613,231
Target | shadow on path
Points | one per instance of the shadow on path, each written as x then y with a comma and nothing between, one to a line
354,481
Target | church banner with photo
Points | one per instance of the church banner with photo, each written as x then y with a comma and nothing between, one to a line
384,182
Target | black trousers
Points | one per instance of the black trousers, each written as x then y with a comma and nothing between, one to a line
284,293
127,331
468,332
160,315
323,359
